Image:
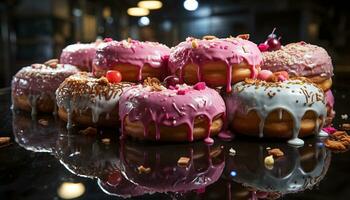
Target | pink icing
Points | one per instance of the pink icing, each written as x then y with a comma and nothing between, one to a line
264,75
80,55
168,108
299,59
329,98
229,50
131,52
329,129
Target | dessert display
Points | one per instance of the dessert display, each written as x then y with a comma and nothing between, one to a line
290,108
219,62
85,100
135,60
177,113
33,87
80,55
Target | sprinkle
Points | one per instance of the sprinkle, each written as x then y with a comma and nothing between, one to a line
232,152
199,86
344,116
244,36
107,40
143,170
233,173
183,161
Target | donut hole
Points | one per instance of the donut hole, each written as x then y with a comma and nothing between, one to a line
308,159
170,133
214,73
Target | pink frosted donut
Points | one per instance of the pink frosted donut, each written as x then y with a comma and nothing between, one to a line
301,59
135,60
330,105
183,113
33,87
218,62
80,55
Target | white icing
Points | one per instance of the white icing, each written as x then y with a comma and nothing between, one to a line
294,96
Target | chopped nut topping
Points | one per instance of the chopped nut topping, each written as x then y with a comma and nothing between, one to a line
43,122
338,141
154,83
183,161
143,170
334,145
269,161
106,141
103,81
52,63
209,37
89,131
244,36
276,152
194,44
249,80
345,127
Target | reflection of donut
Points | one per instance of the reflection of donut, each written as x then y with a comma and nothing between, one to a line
33,87
301,59
88,101
80,55
299,169
217,62
183,113
32,135
135,60
204,168
285,109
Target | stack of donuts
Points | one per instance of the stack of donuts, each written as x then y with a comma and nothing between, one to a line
196,90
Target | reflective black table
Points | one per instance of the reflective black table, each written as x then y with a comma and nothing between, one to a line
48,162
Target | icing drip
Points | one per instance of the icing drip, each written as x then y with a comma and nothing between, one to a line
168,108
40,81
299,59
133,52
293,96
231,51
82,92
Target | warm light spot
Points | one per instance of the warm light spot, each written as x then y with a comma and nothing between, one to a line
136,11
69,190
151,5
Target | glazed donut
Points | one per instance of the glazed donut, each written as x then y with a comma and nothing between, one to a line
89,101
33,87
217,62
287,109
80,55
301,60
135,60
180,113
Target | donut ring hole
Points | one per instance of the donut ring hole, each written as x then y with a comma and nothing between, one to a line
131,72
277,125
214,73
170,133
308,159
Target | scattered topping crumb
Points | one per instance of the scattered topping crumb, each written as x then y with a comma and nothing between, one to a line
194,44
199,86
338,141
329,129
244,36
181,92
345,127
276,152
154,83
344,116
268,148
106,141
143,170
269,161
183,161
209,37
43,122
52,63
89,131
232,152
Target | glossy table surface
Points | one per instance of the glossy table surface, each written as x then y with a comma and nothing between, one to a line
40,159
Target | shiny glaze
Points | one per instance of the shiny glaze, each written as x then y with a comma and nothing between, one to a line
167,107
133,52
39,80
299,59
294,96
231,51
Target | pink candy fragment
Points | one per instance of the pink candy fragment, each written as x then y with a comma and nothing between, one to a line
264,75
181,92
263,47
107,40
199,86
329,129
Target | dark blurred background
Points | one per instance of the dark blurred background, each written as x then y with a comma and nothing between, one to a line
36,30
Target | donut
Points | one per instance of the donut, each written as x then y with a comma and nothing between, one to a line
284,109
89,101
80,55
217,62
180,113
135,60
301,60
33,87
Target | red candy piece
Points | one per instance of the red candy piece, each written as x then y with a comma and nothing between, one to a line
114,76
181,92
107,40
199,86
282,73
263,47
171,81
